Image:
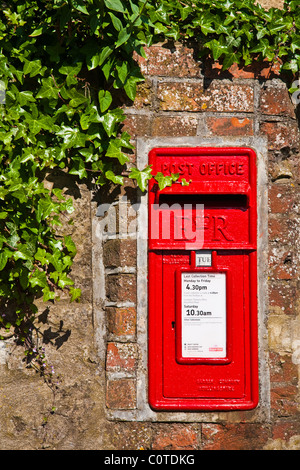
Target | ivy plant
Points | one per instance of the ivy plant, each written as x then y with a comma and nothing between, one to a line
231,31
65,68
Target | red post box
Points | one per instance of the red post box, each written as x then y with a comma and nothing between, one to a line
202,280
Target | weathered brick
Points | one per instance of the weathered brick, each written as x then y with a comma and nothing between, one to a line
282,229
175,437
121,394
121,357
281,134
282,263
164,61
121,287
129,435
275,99
119,253
230,126
282,297
144,95
121,321
282,369
137,125
180,96
218,97
284,400
174,126
234,436
284,169
229,97
281,198
288,432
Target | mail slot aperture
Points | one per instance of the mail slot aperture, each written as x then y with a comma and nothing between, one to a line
226,219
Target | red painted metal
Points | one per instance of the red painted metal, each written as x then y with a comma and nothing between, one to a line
224,181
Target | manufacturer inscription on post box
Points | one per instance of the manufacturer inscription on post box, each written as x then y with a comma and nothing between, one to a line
202,280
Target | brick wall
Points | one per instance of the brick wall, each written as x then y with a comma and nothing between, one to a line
98,347
184,98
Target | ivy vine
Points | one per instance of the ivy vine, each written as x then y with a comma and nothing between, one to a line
233,31
65,66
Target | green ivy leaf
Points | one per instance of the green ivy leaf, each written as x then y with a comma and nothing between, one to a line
48,89
4,256
36,32
164,181
114,151
70,245
115,5
75,294
38,279
71,73
141,176
114,178
80,6
64,281
44,208
217,48
105,100
72,137
78,168
105,53
123,36
130,88
231,58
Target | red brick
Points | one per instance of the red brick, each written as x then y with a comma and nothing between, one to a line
282,296
121,321
175,437
234,436
281,135
164,61
121,287
281,198
230,97
180,96
174,126
121,357
119,253
276,100
282,263
282,229
218,97
230,126
284,400
121,394
286,430
137,125
282,369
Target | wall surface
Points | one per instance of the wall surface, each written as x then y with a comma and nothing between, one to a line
98,347
271,3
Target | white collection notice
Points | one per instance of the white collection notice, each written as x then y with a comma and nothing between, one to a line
203,315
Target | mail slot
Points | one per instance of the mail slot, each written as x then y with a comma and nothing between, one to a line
202,280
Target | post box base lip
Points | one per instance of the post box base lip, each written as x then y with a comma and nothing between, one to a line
178,405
